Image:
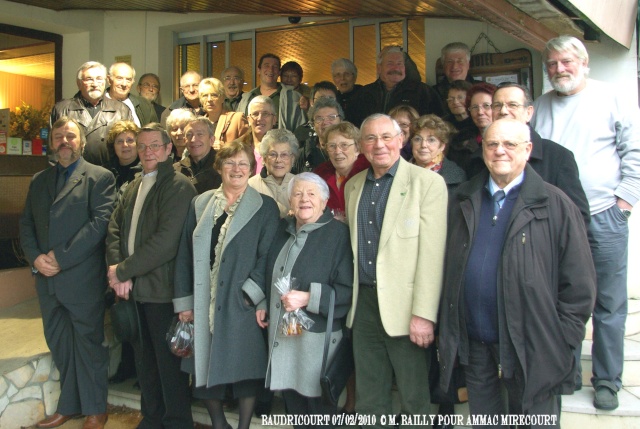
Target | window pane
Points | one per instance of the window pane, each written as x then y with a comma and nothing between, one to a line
390,34
416,46
217,58
364,53
240,56
189,58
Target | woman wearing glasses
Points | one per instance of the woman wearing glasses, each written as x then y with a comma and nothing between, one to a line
342,143
466,147
279,149
220,278
262,118
228,125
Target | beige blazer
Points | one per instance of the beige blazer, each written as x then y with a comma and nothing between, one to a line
411,249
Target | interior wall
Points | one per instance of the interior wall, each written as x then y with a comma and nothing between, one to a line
16,89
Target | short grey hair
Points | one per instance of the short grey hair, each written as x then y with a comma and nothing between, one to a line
228,69
262,99
114,65
90,65
205,121
454,47
279,135
178,117
311,178
392,49
523,129
153,127
566,44
190,73
375,117
347,64
325,102
528,100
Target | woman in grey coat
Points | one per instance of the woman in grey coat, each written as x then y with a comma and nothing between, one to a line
220,277
315,249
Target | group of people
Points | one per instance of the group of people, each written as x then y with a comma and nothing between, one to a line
465,213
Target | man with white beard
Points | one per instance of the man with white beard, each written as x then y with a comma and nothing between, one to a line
93,111
602,128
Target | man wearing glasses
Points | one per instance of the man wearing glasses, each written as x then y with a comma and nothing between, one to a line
93,111
121,77
190,98
149,88
142,243
520,288
233,81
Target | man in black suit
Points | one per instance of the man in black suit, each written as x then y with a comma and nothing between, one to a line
62,231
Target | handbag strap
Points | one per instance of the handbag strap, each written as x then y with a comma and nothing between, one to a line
327,335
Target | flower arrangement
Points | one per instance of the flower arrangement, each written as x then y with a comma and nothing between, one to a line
26,121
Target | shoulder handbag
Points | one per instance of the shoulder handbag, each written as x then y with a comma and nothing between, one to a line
334,375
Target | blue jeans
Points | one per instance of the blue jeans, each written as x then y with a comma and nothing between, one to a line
609,240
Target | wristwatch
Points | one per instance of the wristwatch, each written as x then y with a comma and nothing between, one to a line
34,271
626,213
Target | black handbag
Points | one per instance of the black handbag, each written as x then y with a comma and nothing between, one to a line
334,375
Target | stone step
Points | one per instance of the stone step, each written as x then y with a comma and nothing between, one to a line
631,372
632,326
578,410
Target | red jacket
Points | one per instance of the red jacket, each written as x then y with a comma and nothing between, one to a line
327,171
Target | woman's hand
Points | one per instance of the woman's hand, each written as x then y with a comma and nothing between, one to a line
294,300
186,316
261,318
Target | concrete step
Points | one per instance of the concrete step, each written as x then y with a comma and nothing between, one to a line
578,411
632,326
631,372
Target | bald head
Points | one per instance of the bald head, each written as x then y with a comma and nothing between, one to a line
506,146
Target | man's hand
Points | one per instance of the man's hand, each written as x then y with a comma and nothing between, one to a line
421,331
261,318
186,316
122,289
294,300
111,275
54,261
46,265
623,204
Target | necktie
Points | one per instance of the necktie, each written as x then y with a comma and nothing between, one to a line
61,179
497,197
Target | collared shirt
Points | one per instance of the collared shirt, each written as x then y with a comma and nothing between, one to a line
127,102
373,203
493,187
93,110
63,174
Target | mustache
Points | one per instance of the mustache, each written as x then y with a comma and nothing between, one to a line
392,72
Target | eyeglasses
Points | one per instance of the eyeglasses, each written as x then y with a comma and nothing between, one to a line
459,99
512,105
188,87
333,147
431,141
493,146
128,141
93,80
141,147
232,164
458,61
321,119
477,107
372,138
232,78
148,85
256,115
273,156
404,125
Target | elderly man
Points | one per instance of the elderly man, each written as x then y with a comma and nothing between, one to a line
233,80
149,88
121,77
287,101
345,73
94,112
190,98
554,163
455,63
602,128
198,166
392,89
397,216
142,243
62,233
326,111
519,285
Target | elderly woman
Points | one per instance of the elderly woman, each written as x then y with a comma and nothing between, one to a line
176,123
405,116
466,149
228,126
341,141
220,277
315,249
262,118
324,113
279,148
121,140
431,136
456,101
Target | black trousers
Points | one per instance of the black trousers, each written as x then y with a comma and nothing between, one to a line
74,334
166,399
297,404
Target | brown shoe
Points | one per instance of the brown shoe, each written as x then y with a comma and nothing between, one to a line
96,421
55,420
